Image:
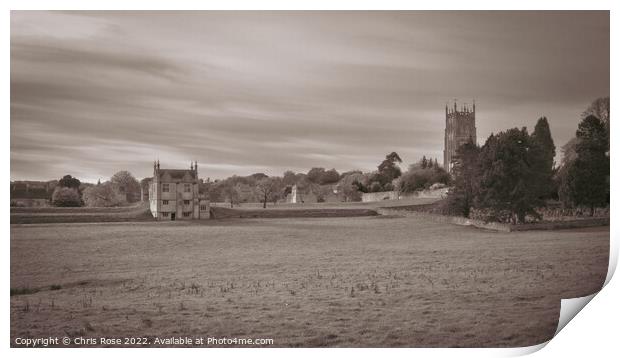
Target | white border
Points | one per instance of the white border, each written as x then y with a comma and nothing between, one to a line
594,330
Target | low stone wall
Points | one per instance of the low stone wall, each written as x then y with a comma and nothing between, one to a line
428,193
394,195
565,224
227,213
379,196
458,220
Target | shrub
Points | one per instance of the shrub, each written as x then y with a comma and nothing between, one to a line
418,178
67,197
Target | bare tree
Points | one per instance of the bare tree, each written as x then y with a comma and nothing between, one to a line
268,188
127,185
104,195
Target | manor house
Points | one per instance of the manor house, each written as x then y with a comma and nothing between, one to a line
174,194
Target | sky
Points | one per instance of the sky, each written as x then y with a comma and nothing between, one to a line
243,92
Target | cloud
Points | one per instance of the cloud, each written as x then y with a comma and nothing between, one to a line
245,92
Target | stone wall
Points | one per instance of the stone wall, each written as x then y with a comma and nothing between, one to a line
379,196
458,220
428,193
227,213
394,195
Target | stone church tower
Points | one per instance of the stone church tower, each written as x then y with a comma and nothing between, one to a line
460,127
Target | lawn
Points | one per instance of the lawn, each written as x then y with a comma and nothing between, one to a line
353,282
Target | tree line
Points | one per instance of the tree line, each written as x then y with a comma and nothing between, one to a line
121,189
513,174
321,182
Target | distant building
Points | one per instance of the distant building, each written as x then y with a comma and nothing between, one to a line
460,128
174,194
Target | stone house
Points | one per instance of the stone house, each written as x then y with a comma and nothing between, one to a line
174,194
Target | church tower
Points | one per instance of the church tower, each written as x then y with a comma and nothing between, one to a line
460,127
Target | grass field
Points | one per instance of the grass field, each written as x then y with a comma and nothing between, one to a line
355,282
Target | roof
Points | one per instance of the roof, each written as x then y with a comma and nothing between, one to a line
178,174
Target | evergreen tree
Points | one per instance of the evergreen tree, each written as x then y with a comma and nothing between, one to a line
543,154
587,180
466,176
388,171
69,182
508,180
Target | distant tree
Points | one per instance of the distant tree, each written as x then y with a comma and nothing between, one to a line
349,186
289,178
329,177
599,108
259,176
375,187
466,172
564,178
388,170
344,174
69,182
230,192
569,151
421,176
104,195
361,187
301,177
586,179
565,182
315,174
127,185
542,155
66,197
508,175
215,191
268,188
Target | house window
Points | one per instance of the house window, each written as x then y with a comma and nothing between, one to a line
165,188
185,202
203,208
165,214
186,214
188,188
164,202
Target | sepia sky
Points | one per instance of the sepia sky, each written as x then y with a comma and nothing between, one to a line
93,93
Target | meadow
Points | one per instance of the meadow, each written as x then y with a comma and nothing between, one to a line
376,281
